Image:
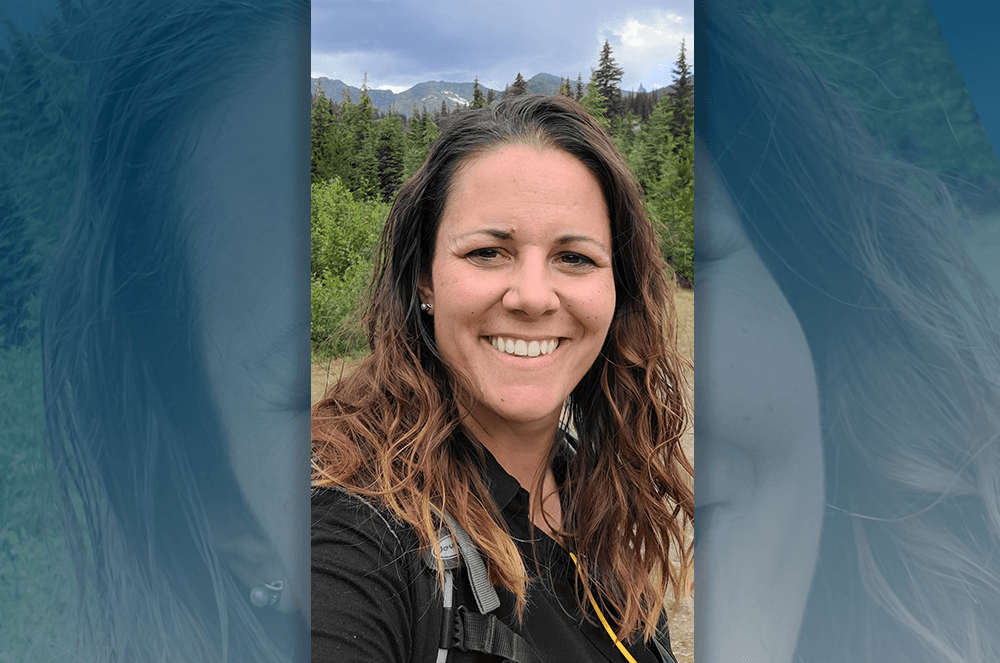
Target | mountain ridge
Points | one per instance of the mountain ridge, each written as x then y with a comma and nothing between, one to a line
430,94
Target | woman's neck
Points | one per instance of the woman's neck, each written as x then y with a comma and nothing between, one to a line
524,451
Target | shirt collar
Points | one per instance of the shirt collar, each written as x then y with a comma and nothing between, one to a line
504,488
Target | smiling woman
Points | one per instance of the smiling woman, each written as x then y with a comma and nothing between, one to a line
520,294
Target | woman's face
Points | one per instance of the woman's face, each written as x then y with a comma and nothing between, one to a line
521,284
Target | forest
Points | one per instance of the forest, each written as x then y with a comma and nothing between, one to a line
361,156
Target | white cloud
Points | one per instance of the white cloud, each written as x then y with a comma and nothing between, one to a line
646,44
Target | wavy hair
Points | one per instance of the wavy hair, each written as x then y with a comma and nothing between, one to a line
132,423
389,429
905,334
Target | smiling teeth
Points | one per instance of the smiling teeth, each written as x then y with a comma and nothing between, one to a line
522,348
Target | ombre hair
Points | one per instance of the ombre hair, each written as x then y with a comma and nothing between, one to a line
389,429
870,253
137,442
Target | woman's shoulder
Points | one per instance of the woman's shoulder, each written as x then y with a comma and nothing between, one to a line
366,603
336,511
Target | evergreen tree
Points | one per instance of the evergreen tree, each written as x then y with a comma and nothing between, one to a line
623,133
389,153
608,77
422,134
478,101
643,105
490,96
519,87
579,87
332,147
359,122
444,108
664,166
594,103
322,119
681,98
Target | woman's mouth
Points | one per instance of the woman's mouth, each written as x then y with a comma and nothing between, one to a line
522,348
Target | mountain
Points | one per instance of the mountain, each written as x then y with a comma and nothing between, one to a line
544,84
427,95
430,94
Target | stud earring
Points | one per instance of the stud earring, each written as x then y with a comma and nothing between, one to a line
266,594
425,307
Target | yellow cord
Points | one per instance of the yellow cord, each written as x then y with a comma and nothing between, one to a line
607,627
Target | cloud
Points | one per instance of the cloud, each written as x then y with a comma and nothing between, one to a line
400,44
646,45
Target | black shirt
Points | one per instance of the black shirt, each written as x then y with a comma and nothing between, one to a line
364,605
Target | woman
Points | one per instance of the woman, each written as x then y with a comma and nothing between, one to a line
848,353
172,384
519,290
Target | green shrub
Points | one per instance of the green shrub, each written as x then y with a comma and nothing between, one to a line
345,231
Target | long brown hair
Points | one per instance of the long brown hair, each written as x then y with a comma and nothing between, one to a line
388,430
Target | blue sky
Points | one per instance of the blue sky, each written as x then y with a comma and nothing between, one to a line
402,43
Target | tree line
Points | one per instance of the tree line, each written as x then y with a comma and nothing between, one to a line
361,156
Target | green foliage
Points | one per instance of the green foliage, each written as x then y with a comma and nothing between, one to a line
422,134
623,133
359,123
664,166
681,98
478,100
608,77
670,200
517,88
345,230
389,152
566,88
593,102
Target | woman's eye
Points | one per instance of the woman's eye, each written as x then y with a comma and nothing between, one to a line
484,255
575,259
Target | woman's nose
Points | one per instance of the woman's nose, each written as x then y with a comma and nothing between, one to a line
532,289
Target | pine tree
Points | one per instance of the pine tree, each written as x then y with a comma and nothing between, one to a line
608,77
490,96
594,103
389,153
322,119
664,166
517,88
478,101
681,98
359,121
643,104
579,87
423,132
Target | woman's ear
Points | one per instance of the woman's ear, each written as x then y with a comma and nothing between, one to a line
426,291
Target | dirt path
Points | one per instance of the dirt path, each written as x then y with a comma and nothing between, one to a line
682,622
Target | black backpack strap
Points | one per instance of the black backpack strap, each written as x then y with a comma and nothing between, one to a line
485,633
464,629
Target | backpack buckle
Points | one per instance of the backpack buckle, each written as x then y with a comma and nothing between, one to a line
453,628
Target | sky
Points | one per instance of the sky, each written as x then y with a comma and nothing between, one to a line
400,44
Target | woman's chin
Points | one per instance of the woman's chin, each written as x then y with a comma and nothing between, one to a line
523,405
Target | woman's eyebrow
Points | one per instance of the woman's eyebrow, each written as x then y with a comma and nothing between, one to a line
492,232
569,239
